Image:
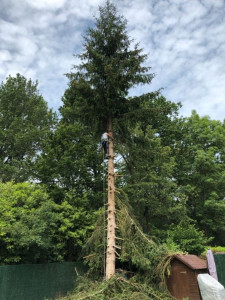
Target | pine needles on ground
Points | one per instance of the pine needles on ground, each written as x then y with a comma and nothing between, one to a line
117,288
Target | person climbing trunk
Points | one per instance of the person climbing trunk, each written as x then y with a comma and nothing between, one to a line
105,144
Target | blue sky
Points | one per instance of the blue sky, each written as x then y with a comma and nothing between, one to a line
184,40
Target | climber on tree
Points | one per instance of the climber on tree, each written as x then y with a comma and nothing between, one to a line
105,143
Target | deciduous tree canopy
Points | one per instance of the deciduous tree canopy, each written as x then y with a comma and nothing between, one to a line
25,121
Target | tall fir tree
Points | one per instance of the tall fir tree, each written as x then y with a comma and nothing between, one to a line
98,91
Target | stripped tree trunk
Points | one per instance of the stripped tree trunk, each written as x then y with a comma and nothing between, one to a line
111,225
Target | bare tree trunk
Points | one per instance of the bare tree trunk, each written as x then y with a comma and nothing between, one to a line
111,225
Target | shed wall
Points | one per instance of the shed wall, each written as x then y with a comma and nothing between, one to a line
183,281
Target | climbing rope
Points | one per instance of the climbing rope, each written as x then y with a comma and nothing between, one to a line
104,204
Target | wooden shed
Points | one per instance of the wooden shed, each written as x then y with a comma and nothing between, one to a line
182,281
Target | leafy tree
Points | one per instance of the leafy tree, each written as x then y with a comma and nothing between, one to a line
71,169
25,121
76,220
34,229
189,238
200,171
70,161
213,220
28,219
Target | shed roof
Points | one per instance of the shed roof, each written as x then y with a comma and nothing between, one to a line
192,261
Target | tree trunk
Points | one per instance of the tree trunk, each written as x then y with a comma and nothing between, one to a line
111,225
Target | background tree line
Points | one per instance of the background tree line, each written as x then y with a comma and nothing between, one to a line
52,173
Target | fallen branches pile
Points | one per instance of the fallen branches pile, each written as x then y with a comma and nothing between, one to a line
117,288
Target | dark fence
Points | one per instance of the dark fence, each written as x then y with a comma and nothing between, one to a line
220,267
38,281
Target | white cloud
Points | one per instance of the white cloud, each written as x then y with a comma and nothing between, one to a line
47,4
184,40
5,55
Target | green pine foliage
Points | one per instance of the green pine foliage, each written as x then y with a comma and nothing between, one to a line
109,67
117,288
136,250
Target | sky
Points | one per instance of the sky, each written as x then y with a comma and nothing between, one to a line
184,40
